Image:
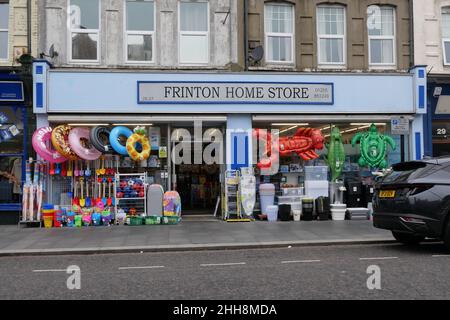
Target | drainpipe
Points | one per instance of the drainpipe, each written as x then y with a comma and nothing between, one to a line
29,26
246,35
411,33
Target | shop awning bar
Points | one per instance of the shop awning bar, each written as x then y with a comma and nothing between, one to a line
118,119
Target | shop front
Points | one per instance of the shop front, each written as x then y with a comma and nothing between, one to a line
438,118
13,142
201,129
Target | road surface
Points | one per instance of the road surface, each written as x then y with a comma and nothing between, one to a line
317,272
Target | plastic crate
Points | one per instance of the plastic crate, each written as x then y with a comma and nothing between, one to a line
318,173
170,220
152,220
136,221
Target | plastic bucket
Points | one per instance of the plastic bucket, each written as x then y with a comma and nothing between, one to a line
297,214
48,221
272,213
338,214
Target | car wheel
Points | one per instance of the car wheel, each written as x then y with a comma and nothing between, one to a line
447,236
407,238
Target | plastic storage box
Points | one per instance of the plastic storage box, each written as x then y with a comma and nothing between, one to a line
318,173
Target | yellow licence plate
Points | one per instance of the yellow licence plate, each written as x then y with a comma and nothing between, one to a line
387,193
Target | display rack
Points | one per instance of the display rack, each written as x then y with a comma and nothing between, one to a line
130,190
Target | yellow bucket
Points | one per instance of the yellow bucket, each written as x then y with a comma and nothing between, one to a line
48,221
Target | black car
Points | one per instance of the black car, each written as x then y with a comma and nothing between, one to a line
413,201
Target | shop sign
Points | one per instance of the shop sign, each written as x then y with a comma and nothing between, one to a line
400,126
180,92
441,130
11,91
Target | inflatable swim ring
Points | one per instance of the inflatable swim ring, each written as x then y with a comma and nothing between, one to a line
138,138
39,141
84,150
60,141
100,139
114,136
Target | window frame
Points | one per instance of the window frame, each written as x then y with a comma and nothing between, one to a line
267,35
127,33
6,59
444,40
194,33
84,31
394,43
337,65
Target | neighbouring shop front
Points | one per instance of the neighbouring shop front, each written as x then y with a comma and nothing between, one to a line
13,144
437,121
201,132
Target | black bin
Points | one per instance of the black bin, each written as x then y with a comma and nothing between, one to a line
307,209
323,208
284,212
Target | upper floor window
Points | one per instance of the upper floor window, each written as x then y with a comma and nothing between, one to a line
84,32
381,30
446,34
331,35
4,20
140,31
193,32
279,32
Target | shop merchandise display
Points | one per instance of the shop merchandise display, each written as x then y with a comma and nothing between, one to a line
337,184
373,147
80,170
303,143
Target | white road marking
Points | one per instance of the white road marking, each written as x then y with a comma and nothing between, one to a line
379,258
51,270
143,267
300,261
441,255
222,264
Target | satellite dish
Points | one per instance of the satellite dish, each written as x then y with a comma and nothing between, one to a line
51,52
257,54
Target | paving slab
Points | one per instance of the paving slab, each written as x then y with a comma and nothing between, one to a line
188,235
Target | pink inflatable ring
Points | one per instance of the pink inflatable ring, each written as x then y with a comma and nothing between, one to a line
83,150
40,142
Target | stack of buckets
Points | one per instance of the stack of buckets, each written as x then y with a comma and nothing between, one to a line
48,215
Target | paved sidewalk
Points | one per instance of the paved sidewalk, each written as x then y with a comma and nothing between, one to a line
188,235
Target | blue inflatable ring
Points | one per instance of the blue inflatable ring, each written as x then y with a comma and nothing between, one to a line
114,136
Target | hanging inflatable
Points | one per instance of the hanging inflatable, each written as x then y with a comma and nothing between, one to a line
114,139
80,144
138,137
60,141
303,143
336,154
373,148
40,142
99,137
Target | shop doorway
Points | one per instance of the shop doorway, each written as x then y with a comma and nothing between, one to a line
198,178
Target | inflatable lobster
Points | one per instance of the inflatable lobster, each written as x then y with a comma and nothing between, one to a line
303,143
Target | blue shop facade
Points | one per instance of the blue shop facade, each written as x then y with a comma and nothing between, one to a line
170,104
15,111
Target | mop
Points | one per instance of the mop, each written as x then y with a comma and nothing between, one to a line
26,191
40,191
33,190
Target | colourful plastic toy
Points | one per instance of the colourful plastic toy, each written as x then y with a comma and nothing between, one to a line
336,154
373,147
172,204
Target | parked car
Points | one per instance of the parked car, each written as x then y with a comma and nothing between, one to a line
413,201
